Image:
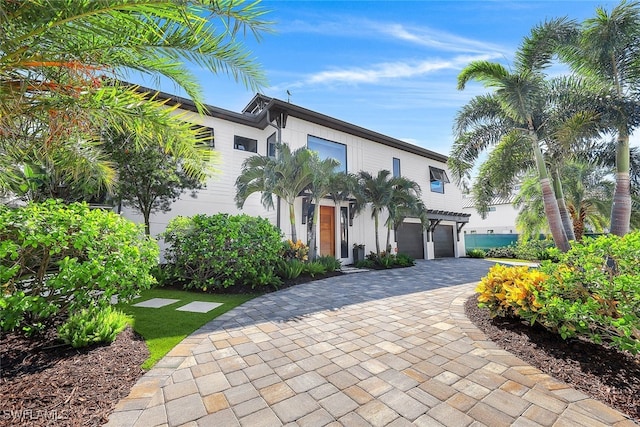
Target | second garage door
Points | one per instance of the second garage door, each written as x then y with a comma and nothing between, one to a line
443,241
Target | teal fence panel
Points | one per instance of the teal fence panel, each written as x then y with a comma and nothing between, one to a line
488,241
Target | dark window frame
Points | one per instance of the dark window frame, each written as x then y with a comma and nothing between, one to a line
343,167
437,179
271,145
249,145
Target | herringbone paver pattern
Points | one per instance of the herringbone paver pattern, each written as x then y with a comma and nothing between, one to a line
384,348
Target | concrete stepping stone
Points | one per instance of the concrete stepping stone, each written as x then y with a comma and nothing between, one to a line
156,302
199,306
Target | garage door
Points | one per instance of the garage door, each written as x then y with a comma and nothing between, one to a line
443,241
410,240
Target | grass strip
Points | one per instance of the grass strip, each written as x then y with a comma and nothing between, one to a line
163,328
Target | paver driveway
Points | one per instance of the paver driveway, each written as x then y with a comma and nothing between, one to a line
383,348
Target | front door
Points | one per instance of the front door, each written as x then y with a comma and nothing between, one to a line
327,230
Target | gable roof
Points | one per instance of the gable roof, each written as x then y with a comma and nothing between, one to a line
257,111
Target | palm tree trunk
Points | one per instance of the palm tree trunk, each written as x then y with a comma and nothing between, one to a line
562,207
313,250
376,222
292,221
621,207
549,199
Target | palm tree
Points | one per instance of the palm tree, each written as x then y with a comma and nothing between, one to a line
287,176
60,63
606,49
511,113
588,194
322,173
386,193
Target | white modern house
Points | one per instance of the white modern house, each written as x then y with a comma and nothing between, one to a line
265,121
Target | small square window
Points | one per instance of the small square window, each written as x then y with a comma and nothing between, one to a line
438,178
245,144
205,135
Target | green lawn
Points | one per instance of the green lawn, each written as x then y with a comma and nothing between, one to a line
163,328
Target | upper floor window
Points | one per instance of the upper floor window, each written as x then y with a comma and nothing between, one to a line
438,178
396,167
245,144
329,150
204,135
271,145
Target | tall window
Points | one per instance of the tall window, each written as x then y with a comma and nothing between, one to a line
329,150
438,178
245,144
271,145
344,232
396,167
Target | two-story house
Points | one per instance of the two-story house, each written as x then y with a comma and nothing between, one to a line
265,121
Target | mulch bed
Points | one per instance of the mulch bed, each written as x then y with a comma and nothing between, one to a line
43,383
603,373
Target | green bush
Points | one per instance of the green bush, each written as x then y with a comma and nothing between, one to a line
290,268
476,253
56,259
504,252
404,260
329,262
313,268
365,263
219,251
594,291
92,326
535,250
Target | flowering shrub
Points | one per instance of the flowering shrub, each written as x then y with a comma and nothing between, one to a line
511,291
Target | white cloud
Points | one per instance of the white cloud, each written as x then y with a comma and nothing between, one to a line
377,73
440,40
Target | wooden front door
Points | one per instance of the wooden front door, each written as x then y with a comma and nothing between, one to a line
327,230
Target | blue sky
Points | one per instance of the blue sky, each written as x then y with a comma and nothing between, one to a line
389,66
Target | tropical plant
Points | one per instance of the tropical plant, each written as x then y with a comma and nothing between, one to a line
149,178
330,262
397,196
511,117
287,176
604,48
93,325
61,64
322,172
289,268
218,251
56,259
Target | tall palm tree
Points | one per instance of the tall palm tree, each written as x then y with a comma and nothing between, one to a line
606,48
60,63
513,111
322,173
405,201
384,192
287,176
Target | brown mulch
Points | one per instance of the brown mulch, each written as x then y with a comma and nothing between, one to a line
43,383
607,375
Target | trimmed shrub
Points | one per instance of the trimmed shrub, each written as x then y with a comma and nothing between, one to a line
535,250
594,292
218,251
92,326
56,259
505,252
